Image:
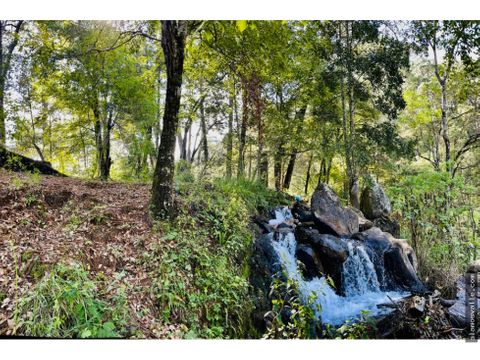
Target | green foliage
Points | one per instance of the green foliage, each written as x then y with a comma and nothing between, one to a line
362,328
30,199
255,195
200,266
438,213
16,183
66,304
290,318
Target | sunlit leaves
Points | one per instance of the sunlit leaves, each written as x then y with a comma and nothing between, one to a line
241,25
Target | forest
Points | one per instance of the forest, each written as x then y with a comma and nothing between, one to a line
240,179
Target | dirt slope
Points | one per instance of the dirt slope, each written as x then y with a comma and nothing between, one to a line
45,220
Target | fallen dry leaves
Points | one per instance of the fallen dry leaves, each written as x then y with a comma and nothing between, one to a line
104,226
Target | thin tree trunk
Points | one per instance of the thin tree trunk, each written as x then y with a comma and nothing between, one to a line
442,80
174,33
277,168
203,126
189,144
243,133
299,118
307,179
229,159
250,158
262,158
182,139
98,139
3,131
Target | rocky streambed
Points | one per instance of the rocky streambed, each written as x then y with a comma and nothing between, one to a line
345,263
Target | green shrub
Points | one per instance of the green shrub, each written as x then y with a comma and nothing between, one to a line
200,266
66,304
290,318
439,217
362,328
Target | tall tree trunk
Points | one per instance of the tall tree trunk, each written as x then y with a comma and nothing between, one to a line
158,128
3,134
228,169
3,131
299,118
98,138
106,159
203,126
444,126
243,132
262,158
277,168
102,143
353,191
174,33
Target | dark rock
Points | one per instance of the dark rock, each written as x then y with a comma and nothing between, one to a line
330,216
264,264
457,314
363,222
388,225
302,213
331,251
374,203
375,239
398,265
307,256
447,302
284,228
474,267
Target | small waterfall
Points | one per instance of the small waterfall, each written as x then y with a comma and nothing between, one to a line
361,285
358,275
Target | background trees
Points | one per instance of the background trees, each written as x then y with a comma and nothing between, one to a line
285,103
9,37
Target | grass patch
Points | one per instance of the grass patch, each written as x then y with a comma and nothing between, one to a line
67,304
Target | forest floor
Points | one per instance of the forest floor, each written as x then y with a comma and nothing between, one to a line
45,220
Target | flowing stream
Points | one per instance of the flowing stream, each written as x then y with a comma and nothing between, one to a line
360,282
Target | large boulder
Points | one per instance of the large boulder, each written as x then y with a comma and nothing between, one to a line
394,260
388,225
302,213
312,266
331,251
363,222
330,216
374,203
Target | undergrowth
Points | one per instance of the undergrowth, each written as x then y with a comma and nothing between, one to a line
200,266
67,304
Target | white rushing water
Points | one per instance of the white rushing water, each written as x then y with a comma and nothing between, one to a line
360,282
